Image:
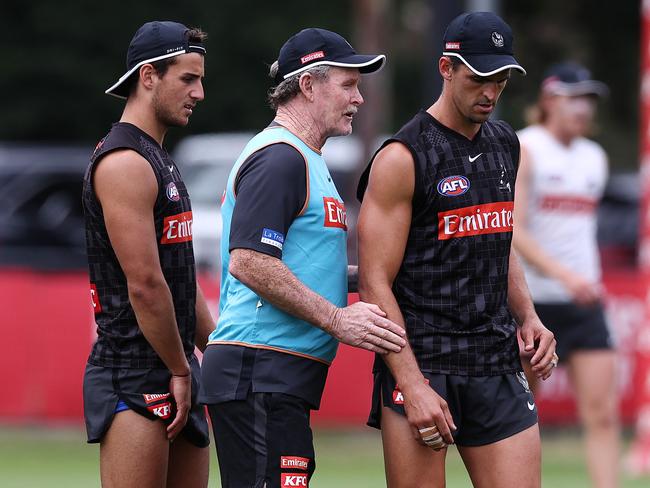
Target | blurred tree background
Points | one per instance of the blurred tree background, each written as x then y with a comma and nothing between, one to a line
59,56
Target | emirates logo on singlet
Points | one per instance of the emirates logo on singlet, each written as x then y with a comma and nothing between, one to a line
335,215
489,218
177,228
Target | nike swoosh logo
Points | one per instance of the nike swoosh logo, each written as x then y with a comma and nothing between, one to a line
171,169
472,159
531,406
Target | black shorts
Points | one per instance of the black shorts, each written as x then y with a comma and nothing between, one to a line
145,391
263,441
485,409
575,327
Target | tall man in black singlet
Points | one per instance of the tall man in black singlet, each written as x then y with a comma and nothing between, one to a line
141,380
434,253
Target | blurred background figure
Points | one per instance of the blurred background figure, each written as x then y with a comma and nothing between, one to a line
561,179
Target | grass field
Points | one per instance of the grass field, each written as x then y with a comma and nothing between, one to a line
60,458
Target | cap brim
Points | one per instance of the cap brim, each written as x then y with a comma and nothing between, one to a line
365,63
586,87
120,90
488,64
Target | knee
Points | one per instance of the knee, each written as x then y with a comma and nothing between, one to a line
602,415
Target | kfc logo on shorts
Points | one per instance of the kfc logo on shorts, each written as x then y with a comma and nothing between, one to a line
294,462
489,218
294,479
94,298
335,215
172,192
311,57
177,228
154,397
398,396
164,410
453,186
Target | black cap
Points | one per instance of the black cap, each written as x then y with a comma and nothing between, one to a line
572,79
152,42
482,41
313,47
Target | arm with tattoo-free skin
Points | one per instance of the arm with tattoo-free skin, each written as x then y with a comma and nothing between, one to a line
361,324
204,322
537,339
387,205
126,187
582,291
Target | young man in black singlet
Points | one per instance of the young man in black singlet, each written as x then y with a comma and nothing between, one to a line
435,233
141,380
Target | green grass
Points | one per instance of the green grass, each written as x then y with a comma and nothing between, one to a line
37,457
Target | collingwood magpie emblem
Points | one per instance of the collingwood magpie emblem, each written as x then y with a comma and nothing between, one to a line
497,39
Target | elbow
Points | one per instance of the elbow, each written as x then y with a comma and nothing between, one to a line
145,289
239,266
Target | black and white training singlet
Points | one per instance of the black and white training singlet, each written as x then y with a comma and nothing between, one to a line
120,342
452,285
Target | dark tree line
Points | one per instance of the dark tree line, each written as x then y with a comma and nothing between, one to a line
59,56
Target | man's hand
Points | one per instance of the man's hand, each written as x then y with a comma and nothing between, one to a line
540,342
364,325
428,416
180,388
582,291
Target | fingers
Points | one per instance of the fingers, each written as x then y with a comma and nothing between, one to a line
527,337
543,368
548,371
374,308
545,349
444,425
178,423
385,339
432,438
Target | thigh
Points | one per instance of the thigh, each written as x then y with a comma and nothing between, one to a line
188,465
291,460
134,452
263,441
409,464
240,441
593,374
514,462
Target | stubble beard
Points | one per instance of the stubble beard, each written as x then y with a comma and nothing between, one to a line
164,114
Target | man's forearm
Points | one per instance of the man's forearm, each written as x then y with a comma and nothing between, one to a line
154,311
519,299
403,364
204,321
273,281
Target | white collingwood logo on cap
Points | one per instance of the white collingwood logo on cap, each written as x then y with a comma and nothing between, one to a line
497,39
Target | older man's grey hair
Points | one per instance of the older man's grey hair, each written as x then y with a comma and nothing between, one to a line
289,88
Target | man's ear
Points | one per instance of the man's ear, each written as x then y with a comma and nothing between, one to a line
306,83
147,75
445,66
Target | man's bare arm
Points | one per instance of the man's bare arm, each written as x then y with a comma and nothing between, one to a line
360,325
387,204
126,187
529,249
536,337
204,322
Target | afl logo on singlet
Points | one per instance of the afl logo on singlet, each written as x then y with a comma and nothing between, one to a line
172,192
453,186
